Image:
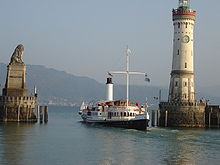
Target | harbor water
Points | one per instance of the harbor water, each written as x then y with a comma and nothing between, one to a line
65,140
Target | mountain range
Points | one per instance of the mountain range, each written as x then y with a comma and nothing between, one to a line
59,87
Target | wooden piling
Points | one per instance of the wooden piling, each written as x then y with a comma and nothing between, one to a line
218,118
38,113
153,118
166,117
6,113
209,119
27,112
158,117
45,114
19,111
41,114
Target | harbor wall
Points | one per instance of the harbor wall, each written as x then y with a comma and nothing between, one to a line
13,109
182,114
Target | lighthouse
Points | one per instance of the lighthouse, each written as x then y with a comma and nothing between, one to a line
182,86
182,108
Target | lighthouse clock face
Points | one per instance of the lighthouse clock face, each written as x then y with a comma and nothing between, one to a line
185,39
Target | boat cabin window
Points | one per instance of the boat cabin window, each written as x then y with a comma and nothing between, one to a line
89,113
124,113
121,113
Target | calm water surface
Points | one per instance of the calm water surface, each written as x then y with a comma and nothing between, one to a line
66,141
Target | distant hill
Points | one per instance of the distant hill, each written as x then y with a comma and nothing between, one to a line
60,87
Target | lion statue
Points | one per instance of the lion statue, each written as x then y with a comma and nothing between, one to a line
16,57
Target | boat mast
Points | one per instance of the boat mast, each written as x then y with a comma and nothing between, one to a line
127,70
127,73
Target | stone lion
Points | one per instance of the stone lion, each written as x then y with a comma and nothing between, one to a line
16,57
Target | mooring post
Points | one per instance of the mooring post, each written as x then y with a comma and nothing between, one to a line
6,113
209,119
41,114
218,118
38,112
45,114
158,117
27,114
166,116
19,113
153,118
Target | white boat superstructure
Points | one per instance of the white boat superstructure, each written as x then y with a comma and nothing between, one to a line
117,113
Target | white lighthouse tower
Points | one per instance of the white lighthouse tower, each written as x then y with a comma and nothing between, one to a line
182,109
182,86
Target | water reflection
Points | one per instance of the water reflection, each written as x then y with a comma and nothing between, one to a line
117,150
184,147
13,137
64,140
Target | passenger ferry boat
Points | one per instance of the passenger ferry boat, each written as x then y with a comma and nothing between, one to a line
117,113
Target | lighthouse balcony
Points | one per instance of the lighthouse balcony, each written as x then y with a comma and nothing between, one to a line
183,103
184,12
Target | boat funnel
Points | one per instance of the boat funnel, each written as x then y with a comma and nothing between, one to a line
109,89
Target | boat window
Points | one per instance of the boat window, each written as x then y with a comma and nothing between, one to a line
121,114
124,113
89,113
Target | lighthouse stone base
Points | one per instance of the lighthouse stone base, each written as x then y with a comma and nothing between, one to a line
182,114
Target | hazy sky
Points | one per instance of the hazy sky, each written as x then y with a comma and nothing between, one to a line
89,37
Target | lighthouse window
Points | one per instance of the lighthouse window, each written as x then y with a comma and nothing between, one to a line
178,25
176,83
186,25
178,52
185,84
185,65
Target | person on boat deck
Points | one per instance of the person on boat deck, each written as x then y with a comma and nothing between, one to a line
142,108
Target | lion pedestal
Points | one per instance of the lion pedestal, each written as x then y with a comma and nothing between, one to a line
15,104
15,81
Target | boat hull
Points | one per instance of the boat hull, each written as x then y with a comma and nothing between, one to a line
141,124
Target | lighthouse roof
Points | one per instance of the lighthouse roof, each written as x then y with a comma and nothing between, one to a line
184,5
